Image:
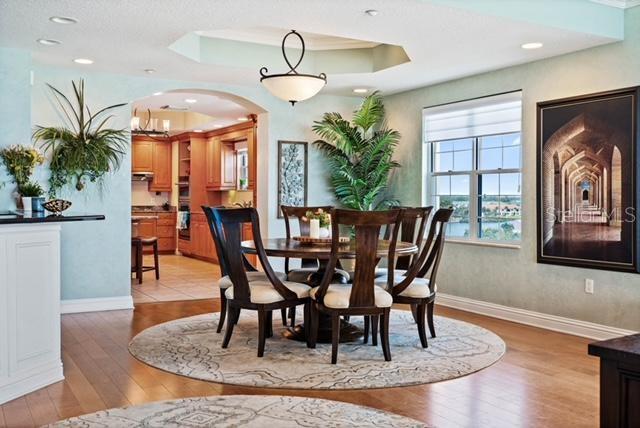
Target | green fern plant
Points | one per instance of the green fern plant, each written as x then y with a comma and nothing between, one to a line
360,155
85,148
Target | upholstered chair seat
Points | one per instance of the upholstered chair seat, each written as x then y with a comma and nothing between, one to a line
263,292
338,295
225,281
419,287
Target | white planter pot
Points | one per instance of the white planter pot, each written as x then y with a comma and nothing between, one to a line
324,232
26,203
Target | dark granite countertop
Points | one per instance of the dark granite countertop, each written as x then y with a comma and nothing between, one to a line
152,209
19,217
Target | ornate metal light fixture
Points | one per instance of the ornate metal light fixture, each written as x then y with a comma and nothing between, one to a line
148,129
293,86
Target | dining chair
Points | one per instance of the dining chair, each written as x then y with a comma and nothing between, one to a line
361,297
225,280
262,296
414,287
307,266
414,221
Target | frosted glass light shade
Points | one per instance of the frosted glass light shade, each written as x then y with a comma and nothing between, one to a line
166,125
293,87
135,122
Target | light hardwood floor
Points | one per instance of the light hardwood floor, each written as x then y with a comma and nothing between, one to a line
545,379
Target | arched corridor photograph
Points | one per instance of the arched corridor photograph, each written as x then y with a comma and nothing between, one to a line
586,170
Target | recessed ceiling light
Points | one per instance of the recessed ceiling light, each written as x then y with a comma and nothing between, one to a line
149,70
533,45
64,20
197,130
360,90
84,61
371,12
190,100
155,94
243,119
48,42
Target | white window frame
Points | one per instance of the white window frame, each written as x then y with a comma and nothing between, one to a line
429,183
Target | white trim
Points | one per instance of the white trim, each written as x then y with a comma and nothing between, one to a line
31,380
536,319
622,4
73,306
493,244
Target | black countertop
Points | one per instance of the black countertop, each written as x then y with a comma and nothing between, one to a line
19,217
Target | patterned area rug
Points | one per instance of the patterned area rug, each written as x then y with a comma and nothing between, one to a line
241,411
191,347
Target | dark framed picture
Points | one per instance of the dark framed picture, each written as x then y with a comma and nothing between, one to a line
588,180
292,174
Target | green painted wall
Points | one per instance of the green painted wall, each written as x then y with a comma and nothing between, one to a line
95,255
512,277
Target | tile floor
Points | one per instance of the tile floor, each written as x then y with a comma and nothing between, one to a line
181,278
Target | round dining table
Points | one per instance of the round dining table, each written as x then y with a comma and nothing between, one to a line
283,247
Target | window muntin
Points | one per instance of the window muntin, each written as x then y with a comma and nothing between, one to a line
488,184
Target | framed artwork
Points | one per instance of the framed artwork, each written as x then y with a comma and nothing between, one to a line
292,174
588,180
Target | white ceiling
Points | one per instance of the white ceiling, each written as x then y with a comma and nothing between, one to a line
224,112
128,37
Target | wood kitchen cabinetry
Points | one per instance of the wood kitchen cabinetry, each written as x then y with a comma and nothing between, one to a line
152,156
161,181
163,227
141,155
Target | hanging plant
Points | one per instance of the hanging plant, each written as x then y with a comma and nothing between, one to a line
84,149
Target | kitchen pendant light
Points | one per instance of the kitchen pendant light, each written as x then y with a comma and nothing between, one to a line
293,86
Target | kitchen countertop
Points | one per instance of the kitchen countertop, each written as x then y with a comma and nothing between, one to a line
20,217
152,209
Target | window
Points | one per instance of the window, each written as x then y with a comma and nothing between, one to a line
474,154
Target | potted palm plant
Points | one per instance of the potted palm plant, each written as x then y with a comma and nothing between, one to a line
85,149
360,155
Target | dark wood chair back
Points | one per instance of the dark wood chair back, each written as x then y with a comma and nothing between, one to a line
222,262
290,212
428,261
414,221
227,225
366,226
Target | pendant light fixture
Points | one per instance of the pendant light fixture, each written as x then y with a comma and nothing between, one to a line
293,86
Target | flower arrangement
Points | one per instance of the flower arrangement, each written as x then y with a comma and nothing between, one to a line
20,161
323,216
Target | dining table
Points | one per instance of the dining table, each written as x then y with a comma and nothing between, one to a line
283,247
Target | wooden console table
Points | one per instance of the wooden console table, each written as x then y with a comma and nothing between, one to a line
619,381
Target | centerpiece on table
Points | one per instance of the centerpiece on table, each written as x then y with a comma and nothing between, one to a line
319,228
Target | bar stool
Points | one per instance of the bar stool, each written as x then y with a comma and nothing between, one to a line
137,245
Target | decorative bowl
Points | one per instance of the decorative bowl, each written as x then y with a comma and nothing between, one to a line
56,206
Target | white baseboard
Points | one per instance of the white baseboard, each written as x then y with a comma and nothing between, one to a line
536,319
31,380
94,305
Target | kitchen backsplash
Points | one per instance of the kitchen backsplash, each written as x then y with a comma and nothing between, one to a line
140,195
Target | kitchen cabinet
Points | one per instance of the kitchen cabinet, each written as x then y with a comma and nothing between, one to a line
161,181
228,167
221,165
163,227
142,155
212,162
201,244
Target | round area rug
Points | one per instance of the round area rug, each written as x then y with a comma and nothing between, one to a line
191,347
241,411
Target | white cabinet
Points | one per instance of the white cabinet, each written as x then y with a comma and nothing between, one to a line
29,308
